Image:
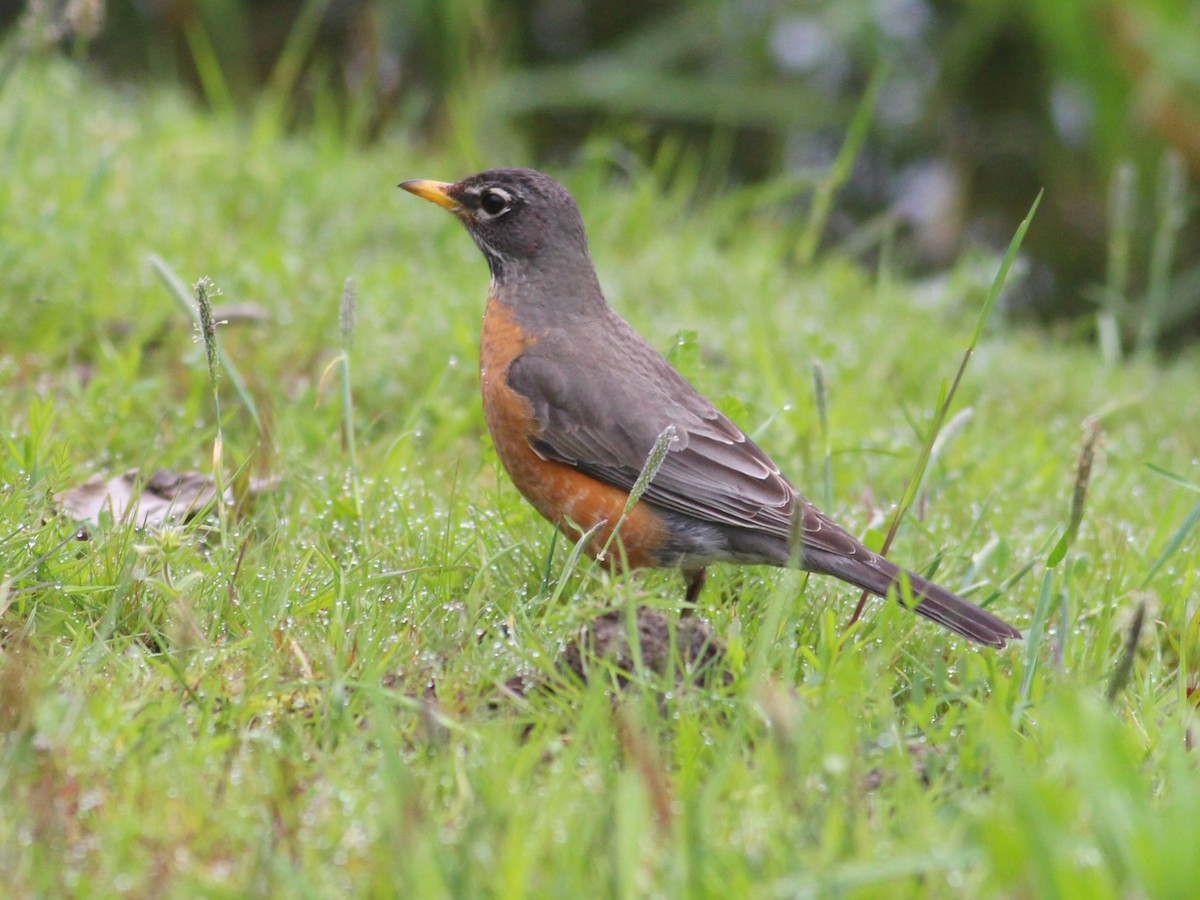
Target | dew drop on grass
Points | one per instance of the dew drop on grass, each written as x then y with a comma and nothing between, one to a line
123,883
834,764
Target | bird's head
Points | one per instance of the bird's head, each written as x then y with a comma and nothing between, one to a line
518,217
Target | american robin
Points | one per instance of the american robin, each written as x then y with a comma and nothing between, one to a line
576,399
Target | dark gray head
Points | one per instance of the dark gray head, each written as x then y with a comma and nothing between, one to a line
525,222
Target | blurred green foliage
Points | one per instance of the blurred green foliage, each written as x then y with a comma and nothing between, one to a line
981,104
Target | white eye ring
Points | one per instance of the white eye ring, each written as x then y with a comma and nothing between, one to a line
494,202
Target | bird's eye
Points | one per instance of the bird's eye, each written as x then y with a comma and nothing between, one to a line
493,202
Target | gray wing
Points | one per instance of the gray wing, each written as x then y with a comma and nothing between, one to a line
712,472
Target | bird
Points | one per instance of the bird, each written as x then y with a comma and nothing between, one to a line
576,400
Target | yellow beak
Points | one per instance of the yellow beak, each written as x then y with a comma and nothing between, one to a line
434,192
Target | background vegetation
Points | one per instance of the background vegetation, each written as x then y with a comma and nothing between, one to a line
970,108
311,693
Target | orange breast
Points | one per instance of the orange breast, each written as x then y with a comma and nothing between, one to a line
574,502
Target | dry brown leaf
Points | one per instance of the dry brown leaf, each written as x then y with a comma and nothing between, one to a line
165,497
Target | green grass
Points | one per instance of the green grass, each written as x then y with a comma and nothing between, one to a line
312,706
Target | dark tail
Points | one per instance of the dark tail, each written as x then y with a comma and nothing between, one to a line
876,574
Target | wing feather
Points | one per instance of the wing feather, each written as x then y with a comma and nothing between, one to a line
713,472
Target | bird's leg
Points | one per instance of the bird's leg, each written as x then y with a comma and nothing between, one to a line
694,579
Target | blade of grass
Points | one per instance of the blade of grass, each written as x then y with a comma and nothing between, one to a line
208,331
768,631
1033,641
546,570
1172,214
277,99
946,437
573,560
183,299
1173,545
1178,480
208,67
839,172
1115,302
772,622
818,372
1083,476
347,316
1124,669
654,461
947,395
612,87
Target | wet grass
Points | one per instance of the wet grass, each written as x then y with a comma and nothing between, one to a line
313,703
